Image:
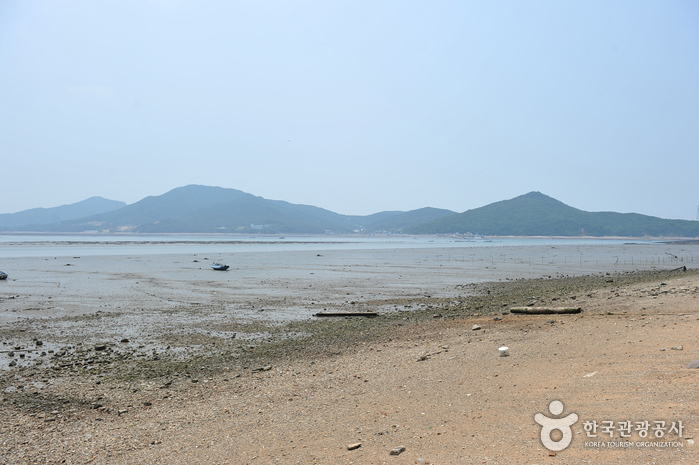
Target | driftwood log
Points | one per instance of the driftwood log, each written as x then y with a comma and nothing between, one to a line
368,314
545,310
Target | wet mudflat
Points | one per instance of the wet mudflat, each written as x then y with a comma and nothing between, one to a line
174,306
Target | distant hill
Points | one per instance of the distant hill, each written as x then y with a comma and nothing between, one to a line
44,216
205,209
536,214
214,209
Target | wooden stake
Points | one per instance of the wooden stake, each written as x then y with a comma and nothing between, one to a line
545,310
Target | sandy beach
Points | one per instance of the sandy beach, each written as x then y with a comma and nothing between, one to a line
163,367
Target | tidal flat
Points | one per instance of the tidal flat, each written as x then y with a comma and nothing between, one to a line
154,314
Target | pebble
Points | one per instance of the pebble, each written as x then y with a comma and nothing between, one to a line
693,364
677,347
397,450
356,445
475,328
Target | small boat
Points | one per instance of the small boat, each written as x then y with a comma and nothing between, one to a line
3,275
220,267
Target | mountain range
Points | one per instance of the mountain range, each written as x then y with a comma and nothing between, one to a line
205,209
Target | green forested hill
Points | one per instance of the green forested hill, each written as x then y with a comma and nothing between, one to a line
536,214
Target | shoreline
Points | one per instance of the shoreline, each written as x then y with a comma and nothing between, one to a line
358,235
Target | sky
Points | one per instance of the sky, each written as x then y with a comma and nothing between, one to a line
354,106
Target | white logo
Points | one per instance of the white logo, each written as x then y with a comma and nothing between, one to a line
548,425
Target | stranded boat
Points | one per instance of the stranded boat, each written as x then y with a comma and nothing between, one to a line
219,267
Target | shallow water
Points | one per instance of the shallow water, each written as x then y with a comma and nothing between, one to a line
89,245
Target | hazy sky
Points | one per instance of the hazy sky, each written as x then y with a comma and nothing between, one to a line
354,106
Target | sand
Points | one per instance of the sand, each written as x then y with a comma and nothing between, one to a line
419,377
